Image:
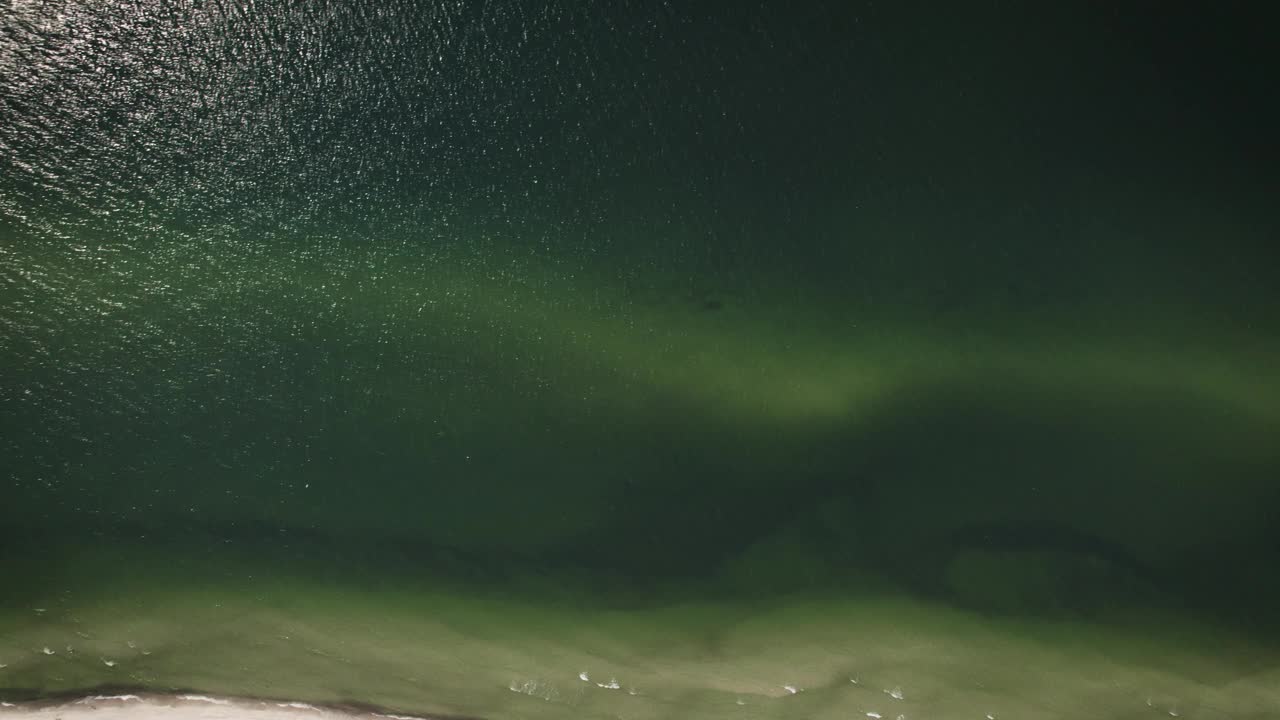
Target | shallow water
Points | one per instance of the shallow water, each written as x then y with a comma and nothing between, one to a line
543,645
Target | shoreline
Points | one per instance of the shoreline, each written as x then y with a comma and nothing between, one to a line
103,704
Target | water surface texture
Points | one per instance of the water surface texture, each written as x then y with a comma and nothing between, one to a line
642,360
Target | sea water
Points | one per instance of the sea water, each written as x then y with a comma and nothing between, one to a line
529,360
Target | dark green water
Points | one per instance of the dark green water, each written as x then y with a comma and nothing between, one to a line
470,346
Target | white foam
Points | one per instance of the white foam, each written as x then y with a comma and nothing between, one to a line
534,688
298,705
114,698
205,699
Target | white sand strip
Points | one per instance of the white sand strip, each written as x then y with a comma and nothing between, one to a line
181,707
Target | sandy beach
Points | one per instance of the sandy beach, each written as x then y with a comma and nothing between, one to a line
186,706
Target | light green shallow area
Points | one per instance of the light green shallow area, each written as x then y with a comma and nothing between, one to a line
226,623
460,380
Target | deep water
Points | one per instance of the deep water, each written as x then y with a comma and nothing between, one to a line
768,359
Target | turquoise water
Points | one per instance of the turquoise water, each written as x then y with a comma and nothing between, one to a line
762,361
